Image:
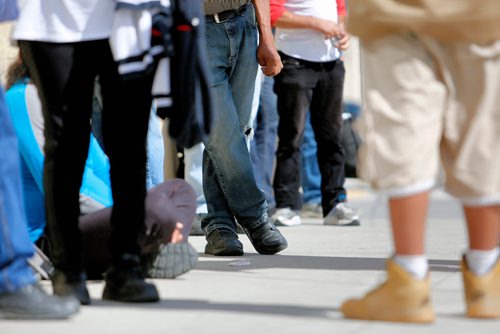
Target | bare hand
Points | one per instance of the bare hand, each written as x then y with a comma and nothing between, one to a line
343,38
177,236
269,59
328,28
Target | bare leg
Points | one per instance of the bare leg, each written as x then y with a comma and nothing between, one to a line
402,297
483,225
480,268
408,219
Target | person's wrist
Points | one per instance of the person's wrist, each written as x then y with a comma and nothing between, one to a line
266,38
313,23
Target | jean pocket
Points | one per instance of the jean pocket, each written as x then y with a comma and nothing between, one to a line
250,16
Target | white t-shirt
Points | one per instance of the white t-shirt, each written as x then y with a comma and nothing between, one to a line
308,44
63,21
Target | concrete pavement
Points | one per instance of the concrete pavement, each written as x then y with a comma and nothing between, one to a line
298,291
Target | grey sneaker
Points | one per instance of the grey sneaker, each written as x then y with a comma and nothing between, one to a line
341,215
285,217
32,302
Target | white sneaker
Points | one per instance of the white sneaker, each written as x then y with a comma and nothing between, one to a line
285,217
341,215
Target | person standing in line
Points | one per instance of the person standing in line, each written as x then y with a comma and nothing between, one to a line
263,145
65,45
193,163
20,295
310,35
431,96
311,175
233,29
169,205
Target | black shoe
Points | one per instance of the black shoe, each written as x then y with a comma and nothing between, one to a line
266,238
223,242
32,302
69,284
125,282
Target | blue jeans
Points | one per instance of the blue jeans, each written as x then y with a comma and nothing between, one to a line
228,180
15,244
155,152
263,147
311,176
193,174
193,161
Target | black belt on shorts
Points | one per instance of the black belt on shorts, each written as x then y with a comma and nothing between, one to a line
227,14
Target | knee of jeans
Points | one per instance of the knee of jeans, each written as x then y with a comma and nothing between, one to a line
249,133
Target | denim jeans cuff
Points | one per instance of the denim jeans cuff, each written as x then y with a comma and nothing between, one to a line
214,226
252,225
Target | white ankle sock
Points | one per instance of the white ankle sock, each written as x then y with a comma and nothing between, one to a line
481,262
416,265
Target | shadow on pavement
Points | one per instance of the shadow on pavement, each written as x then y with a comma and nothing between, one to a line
205,305
254,261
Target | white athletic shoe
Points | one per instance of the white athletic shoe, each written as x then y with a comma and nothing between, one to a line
286,217
341,215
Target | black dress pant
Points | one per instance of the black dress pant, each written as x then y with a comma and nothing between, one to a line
64,74
304,86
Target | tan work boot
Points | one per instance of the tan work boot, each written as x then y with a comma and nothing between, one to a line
402,298
482,293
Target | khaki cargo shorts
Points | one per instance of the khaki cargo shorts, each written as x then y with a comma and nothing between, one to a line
429,104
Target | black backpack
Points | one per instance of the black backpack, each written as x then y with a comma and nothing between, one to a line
190,115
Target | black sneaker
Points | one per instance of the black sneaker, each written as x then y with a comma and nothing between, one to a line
69,284
223,242
266,238
125,282
32,302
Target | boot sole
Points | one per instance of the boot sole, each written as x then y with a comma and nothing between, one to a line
271,251
224,251
126,299
36,316
268,250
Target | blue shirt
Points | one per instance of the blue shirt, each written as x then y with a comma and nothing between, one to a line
96,183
